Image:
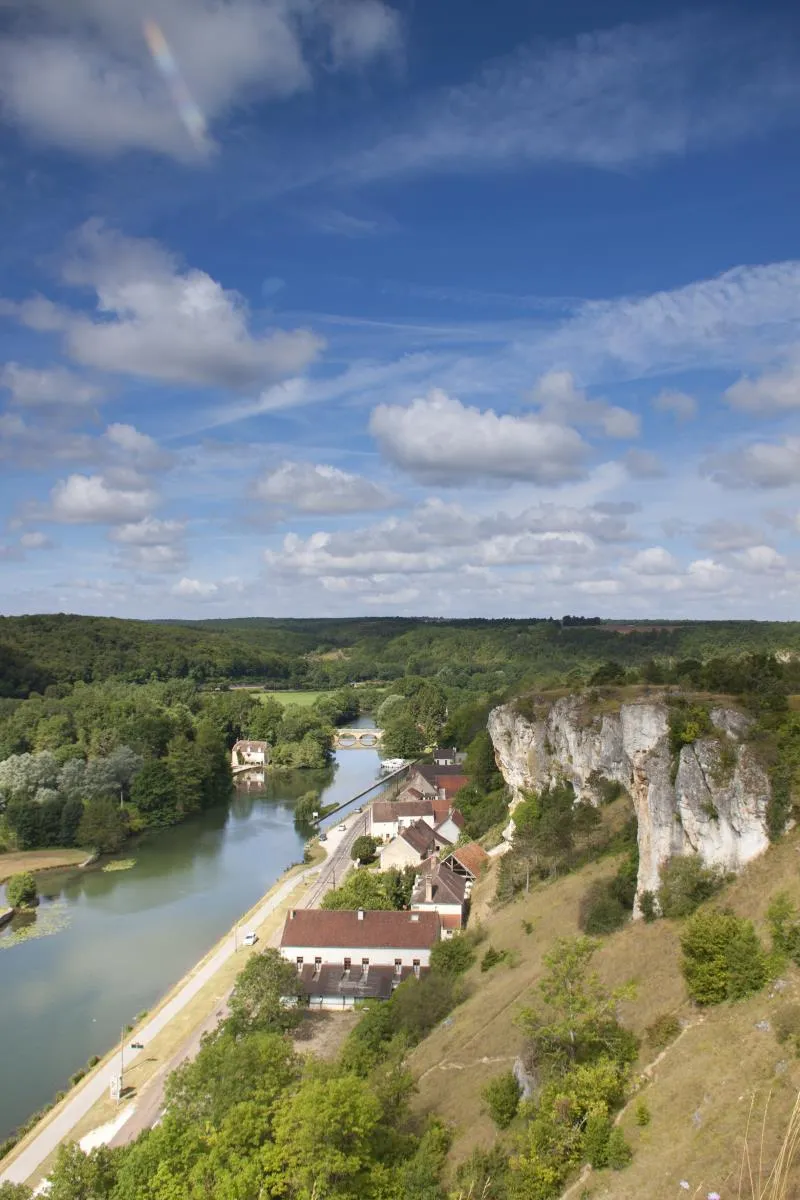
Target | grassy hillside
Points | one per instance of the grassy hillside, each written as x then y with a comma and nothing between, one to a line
699,1089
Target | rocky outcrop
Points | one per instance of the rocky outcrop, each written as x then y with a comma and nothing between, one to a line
711,801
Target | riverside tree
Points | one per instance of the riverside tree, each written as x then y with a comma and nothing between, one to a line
21,890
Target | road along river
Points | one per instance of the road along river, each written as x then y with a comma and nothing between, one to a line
121,939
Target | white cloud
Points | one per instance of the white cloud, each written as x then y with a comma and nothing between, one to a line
559,399
157,321
88,499
149,532
48,388
761,558
194,587
316,488
769,395
708,575
759,465
35,540
722,535
605,99
81,77
138,448
439,439
680,404
644,464
655,560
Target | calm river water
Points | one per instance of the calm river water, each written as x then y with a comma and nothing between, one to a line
124,938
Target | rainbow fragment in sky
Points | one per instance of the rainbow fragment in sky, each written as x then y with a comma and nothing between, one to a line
164,59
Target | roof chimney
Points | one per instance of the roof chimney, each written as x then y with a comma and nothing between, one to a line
429,888
361,914
292,913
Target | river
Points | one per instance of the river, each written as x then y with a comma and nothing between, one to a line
125,937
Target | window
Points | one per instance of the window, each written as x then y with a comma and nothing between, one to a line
398,966
416,967
347,964
364,964
299,962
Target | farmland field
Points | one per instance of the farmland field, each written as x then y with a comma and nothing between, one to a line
304,698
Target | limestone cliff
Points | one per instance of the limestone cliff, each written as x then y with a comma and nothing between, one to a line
714,804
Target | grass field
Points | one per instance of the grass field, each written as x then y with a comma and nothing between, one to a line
39,860
699,1091
303,698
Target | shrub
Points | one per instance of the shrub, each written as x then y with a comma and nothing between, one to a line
648,907
642,1114
784,927
722,957
600,911
663,1030
786,1024
619,1152
502,1098
527,926
21,890
686,883
363,849
596,1139
453,956
492,957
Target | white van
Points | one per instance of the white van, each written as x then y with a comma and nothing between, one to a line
250,938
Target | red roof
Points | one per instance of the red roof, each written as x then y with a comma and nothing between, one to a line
450,784
391,810
442,809
372,929
420,837
472,858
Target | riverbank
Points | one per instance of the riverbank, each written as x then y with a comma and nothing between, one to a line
15,861
171,1032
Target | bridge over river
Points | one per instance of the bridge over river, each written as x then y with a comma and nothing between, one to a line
357,739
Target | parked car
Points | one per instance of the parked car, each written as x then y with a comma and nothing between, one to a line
250,938
342,828
323,837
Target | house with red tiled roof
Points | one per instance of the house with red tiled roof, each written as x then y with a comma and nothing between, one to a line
469,860
439,889
389,817
412,846
344,956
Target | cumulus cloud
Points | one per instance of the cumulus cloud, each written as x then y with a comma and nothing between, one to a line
761,558
440,440
681,405
316,488
81,76
644,464
158,321
35,540
197,588
767,395
759,465
152,544
559,399
48,388
722,535
90,499
655,560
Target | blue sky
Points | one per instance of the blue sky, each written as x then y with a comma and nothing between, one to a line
355,307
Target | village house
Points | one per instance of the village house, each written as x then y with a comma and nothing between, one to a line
437,782
388,817
345,956
439,889
250,754
444,756
469,860
413,845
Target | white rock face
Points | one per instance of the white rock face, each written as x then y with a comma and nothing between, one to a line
715,805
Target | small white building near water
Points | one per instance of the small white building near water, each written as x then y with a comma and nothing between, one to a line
250,754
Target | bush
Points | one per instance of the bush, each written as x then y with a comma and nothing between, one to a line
363,849
502,1098
648,907
492,958
722,957
453,956
21,890
784,927
663,1031
786,1024
600,911
596,1139
642,1114
619,1152
686,883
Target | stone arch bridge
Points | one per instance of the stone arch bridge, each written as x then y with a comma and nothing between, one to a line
357,739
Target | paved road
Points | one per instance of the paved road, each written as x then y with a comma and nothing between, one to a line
60,1126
